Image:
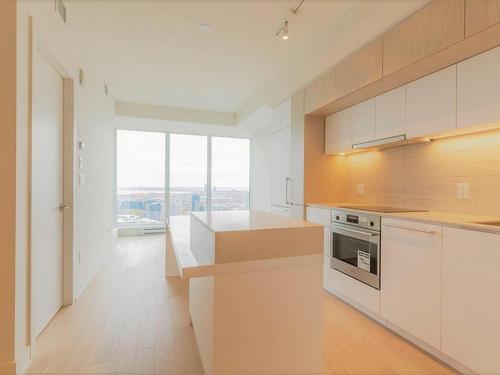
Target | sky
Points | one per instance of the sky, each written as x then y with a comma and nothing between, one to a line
141,160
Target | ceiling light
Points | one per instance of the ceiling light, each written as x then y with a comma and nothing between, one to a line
206,28
284,35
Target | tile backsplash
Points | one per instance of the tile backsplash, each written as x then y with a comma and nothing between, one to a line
426,175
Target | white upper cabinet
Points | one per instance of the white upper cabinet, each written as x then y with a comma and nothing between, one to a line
471,299
362,119
338,133
478,89
432,104
281,116
390,113
410,294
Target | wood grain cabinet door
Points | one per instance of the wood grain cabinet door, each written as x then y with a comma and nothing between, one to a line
480,14
433,28
359,70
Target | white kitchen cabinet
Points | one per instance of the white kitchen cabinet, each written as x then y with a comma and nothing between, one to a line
296,184
471,299
338,133
432,104
410,295
322,216
280,166
281,115
478,89
362,296
362,119
390,113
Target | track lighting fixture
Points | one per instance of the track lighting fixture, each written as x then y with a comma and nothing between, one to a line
283,30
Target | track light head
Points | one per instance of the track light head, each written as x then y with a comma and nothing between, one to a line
284,30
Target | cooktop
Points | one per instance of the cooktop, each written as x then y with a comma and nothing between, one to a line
382,209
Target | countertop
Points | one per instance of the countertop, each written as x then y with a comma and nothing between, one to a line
240,236
449,219
232,221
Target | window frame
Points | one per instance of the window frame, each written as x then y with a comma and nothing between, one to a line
167,170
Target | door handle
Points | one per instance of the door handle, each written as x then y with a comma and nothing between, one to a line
287,180
421,230
63,206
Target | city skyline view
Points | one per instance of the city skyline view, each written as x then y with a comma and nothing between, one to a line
141,171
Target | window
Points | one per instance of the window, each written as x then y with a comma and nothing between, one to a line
230,174
144,159
188,174
140,178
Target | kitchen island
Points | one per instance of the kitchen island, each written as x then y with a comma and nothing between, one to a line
255,290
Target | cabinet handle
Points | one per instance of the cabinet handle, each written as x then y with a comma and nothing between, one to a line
429,231
287,180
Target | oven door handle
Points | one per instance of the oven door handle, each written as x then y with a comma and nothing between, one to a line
338,229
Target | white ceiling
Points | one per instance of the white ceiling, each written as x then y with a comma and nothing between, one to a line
152,52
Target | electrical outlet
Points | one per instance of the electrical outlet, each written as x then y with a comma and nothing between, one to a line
360,189
463,190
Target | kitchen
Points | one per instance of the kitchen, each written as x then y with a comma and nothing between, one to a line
363,239
401,166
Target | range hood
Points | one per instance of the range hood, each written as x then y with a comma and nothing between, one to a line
398,140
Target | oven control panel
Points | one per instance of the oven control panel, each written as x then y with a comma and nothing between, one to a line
356,218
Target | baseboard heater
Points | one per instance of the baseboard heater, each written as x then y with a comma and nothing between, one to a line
140,231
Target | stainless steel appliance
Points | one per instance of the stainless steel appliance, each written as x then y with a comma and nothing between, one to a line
356,246
356,241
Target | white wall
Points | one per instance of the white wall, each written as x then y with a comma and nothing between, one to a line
93,203
259,124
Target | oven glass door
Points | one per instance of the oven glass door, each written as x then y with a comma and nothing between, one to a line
356,253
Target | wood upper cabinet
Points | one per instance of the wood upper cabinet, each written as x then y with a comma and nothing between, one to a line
410,294
358,70
432,104
436,26
478,89
362,119
320,92
471,300
338,133
480,14
390,113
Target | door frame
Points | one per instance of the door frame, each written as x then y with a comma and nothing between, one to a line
38,44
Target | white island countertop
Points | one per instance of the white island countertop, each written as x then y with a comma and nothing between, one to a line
241,236
230,221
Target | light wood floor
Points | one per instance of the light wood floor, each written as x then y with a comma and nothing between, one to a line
131,320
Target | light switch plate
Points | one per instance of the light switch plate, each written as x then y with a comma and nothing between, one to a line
463,190
360,189
81,179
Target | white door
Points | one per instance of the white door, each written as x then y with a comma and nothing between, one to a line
47,190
